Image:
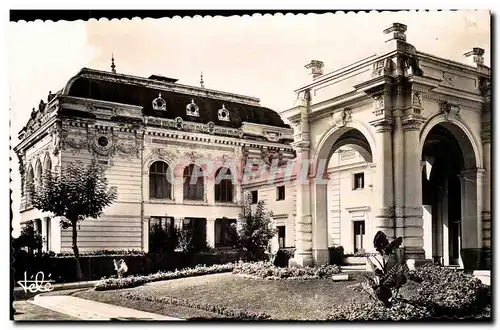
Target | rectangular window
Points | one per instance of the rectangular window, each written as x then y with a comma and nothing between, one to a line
280,193
359,181
359,233
255,197
281,236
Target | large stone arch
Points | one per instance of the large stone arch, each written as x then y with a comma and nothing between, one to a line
325,147
355,135
471,149
469,169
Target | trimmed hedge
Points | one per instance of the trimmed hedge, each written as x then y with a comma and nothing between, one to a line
99,264
133,281
233,313
268,271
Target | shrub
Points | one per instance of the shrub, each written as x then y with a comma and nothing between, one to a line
255,230
336,255
449,292
239,314
439,293
269,271
133,281
163,238
283,256
399,311
29,239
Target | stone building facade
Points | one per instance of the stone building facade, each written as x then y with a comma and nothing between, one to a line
152,135
399,141
422,125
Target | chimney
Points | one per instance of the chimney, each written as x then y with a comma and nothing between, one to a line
316,68
398,31
477,55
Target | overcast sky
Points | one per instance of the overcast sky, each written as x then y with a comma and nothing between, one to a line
261,56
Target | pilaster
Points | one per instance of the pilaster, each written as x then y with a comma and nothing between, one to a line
211,232
471,181
413,222
145,235
303,220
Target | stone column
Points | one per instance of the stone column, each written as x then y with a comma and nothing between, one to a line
383,201
472,202
210,190
179,222
413,241
399,176
320,224
211,232
486,214
303,219
145,235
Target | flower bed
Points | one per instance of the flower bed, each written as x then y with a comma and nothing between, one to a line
232,313
266,270
132,281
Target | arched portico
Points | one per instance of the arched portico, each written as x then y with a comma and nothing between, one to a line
452,176
353,135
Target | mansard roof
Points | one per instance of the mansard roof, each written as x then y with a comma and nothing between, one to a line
119,88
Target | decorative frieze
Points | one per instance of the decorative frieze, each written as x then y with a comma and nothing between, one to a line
180,124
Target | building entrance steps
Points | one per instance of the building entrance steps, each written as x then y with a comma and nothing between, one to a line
95,311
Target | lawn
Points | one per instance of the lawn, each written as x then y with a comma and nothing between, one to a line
282,300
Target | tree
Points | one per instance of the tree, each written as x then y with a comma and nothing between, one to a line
29,239
78,192
255,230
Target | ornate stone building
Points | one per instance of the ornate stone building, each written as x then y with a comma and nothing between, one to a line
399,142
175,153
422,125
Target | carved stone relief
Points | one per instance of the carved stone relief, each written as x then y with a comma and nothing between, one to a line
343,117
272,136
449,111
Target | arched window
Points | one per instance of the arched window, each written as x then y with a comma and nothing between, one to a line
38,172
193,183
223,185
159,183
29,182
47,164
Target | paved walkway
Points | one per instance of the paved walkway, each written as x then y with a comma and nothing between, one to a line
84,309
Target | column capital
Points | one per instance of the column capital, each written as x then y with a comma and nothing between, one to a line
302,145
412,122
472,173
382,125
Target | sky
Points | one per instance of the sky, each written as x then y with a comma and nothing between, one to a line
260,56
